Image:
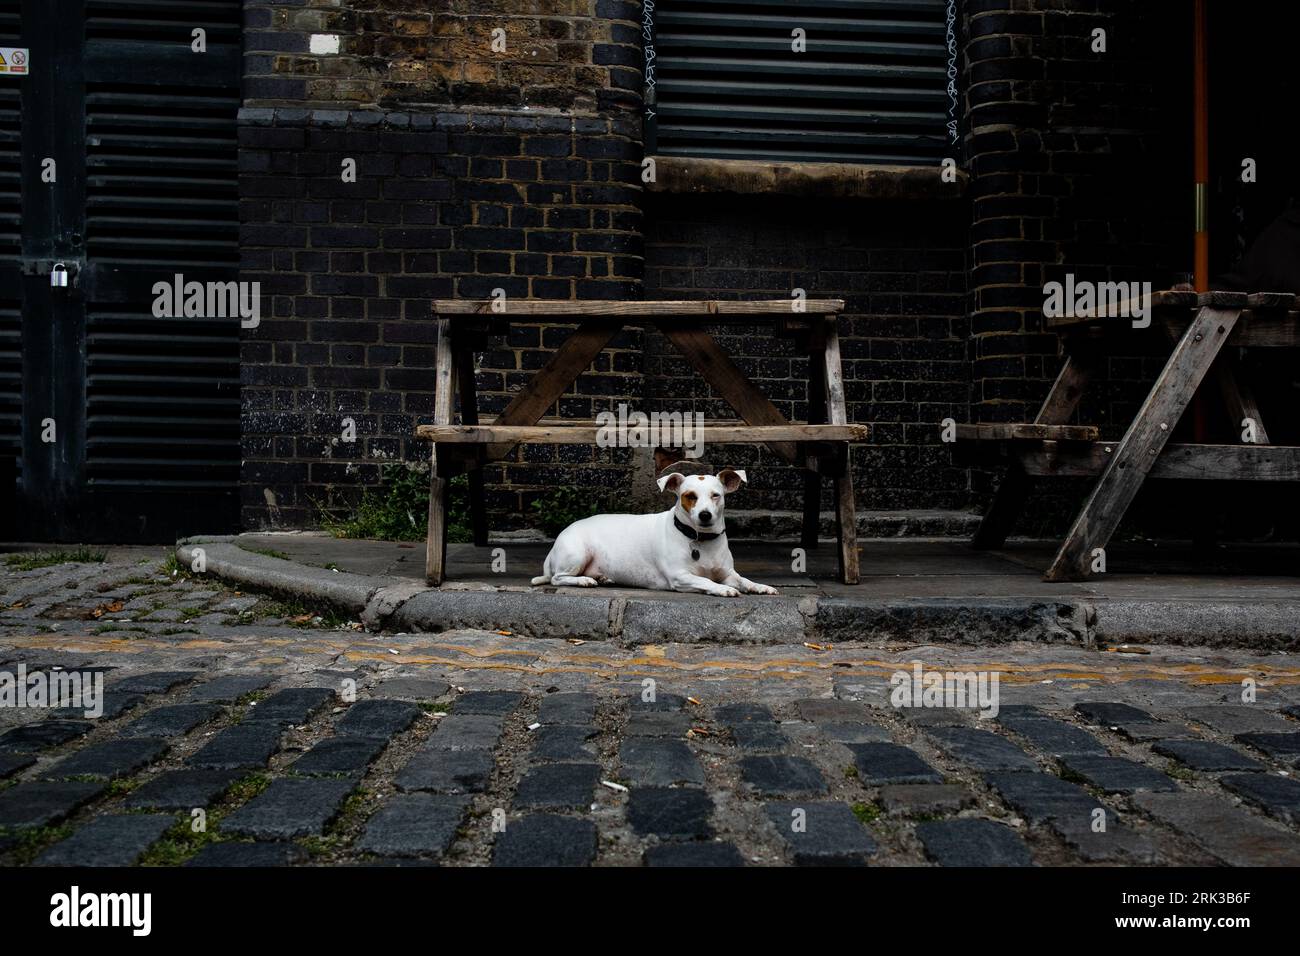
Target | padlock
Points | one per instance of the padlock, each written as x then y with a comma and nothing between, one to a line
59,276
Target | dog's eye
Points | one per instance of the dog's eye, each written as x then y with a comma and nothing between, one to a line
716,495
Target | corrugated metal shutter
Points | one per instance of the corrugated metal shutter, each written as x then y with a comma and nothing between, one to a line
11,320
871,87
162,395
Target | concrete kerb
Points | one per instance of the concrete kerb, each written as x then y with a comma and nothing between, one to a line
402,604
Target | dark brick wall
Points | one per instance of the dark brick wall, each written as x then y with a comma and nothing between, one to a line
476,170
899,266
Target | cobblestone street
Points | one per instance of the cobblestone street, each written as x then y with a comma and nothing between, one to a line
304,739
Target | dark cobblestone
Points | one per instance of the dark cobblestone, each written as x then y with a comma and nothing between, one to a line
693,855
33,738
670,813
182,789
1205,755
380,719
466,732
1278,796
567,709
982,750
925,799
44,803
558,786
113,840
414,824
657,762
11,763
248,854
413,688
879,764
110,759
447,771
290,707
229,688
174,721
1231,835
113,704
154,682
289,808
544,839
499,703
831,835
760,737
339,755
657,724
973,843
1054,737
660,704
781,776
564,742
1281,747
245,746
1117,775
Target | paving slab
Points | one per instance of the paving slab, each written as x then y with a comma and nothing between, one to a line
822,833
228,688
239,854
924,799
1233,836
289,808
1054,737
567,709
560,786
339,755
111,840
413,688
973,842
466,732
11,763
564,742
670,813
110,759
1116,774
182,789
447,771
1284,748
245,746
381,719
290,707
173,721
44,735
657,724
1233,719
1206,755
883,763
1277,796
778,776
712,854
1040,797
499,703
982,750
154,682
44,803
544,839
659,762
414,824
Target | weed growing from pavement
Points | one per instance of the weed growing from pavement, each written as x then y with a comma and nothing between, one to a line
180,842
398,510
294,613
48,559
31,841
337,833
866,812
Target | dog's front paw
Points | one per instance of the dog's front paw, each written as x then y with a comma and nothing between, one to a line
761,589
725,591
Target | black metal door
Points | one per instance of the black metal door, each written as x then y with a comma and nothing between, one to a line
125,424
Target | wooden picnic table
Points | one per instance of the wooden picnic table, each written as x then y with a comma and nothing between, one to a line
1200,326
820,446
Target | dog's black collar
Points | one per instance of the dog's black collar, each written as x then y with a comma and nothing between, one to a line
696,535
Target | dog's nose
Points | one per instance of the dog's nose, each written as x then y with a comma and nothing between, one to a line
706,517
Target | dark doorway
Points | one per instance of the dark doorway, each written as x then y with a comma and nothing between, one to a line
120,425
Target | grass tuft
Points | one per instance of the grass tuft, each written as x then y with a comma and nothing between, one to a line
48,559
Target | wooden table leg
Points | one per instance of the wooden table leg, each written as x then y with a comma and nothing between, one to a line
812,479
469,416
1057,409
435,548
846,514
1142,443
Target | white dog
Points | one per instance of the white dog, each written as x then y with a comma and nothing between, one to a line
681,549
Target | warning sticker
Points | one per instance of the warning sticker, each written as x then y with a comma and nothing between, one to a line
13,60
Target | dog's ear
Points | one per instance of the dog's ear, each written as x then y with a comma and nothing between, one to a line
671,482
731,478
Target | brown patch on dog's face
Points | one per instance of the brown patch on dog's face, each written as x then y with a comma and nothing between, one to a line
689,498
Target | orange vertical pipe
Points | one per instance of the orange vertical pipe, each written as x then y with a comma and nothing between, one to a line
1201,148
